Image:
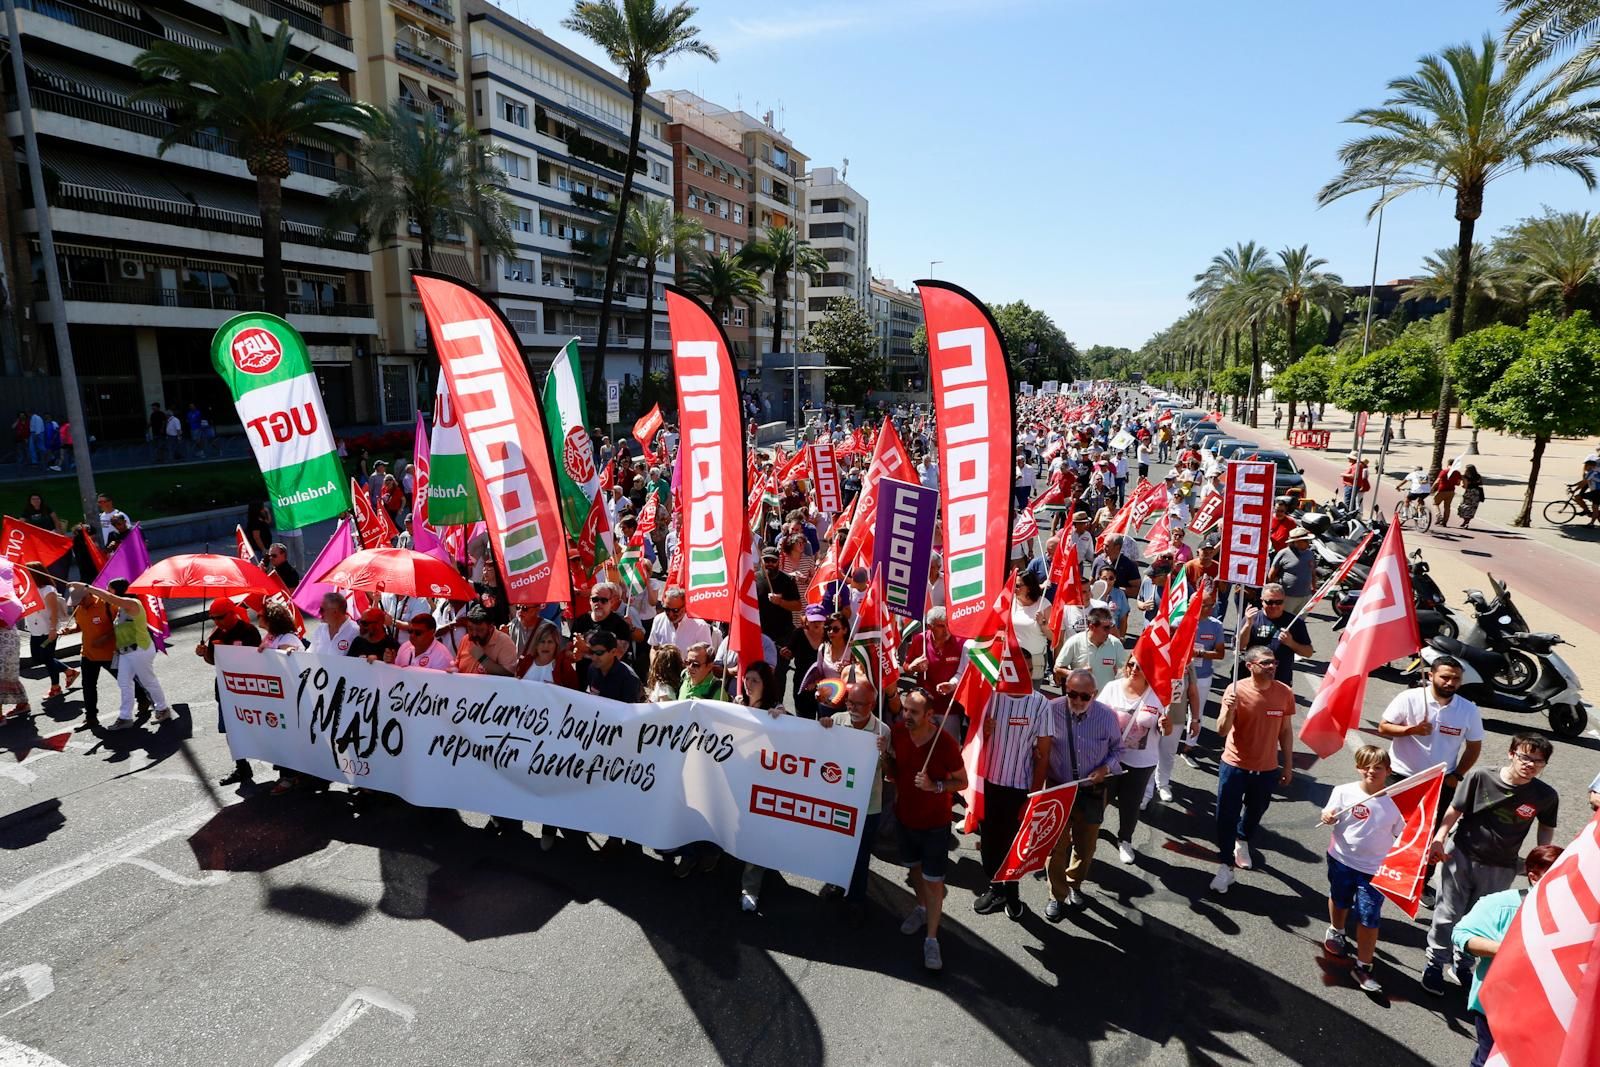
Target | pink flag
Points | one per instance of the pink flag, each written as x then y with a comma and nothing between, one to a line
129,560
309,593
419,486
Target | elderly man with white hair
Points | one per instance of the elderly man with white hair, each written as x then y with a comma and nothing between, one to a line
673,626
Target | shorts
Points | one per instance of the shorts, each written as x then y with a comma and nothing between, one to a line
928,849
1418,494
1349,887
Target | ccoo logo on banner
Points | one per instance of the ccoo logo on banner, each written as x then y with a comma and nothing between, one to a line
1246,522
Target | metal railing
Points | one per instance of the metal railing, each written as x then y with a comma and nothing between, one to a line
156,296
73,197
93,21
302,22
426,60
439,9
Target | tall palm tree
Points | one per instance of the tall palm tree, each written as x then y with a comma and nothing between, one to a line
1238,289
1555,254
655,232
634,34
722,279
1299,282
780,253
249,92
435,172
1461,121
1542,28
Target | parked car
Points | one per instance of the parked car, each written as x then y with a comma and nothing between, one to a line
1289,476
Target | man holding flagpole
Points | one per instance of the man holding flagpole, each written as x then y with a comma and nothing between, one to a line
1018,730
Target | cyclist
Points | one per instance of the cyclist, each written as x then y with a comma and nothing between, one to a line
1416,487
1589,493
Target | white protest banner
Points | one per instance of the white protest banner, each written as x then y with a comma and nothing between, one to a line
782,793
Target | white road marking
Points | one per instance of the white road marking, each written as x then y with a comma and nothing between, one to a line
31,892
167,874
327,856
36,980
354,1007
16,1054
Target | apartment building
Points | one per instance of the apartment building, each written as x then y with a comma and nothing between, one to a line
562,123
411,56
836,224
711,184
155,252
896,313
773,194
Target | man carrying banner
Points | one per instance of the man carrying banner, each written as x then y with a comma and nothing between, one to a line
1489,817
1087,748
926,764
1257,728
1365,828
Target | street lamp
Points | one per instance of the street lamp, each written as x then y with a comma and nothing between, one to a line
932,263
794,301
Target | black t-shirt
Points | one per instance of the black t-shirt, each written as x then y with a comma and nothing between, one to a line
615,623
362,646
44,518
286,571
619,683
241,633
775,621
1263,630
1495,817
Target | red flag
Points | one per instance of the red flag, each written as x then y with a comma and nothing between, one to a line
973,691
974,419
1247,522
374,528
1117,525
26,589
877,633
644,431
1066,576
795,468
608,476
1405,868
1542,995
1055,493
826,570
1164,647
1208,513
1159,539
825,472
421,451
650,514
1027,527
1382,627
502,427
708,406
744,633
91,547
25,542
245,551
1148,499
1344,568
590,547
1043,821
889,460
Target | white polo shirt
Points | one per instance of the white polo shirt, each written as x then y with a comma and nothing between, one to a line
335,642
1454,724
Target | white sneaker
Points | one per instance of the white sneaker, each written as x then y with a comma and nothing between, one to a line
1165,793
1225,877
915,921
932,958
1125,852
1241,856
747,901
1075,897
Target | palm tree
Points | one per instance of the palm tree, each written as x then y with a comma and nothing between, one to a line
1541,28
1461,121
781,254
721,278
653,233
249,92
634,34
1555,254
1300,282
1238,288
438,173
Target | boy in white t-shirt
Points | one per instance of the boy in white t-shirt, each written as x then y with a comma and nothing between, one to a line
1365,828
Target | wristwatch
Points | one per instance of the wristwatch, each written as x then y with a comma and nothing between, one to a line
938,786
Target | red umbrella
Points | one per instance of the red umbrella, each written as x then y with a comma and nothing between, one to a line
204,574
400,570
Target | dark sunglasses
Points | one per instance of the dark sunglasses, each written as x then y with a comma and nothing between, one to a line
1269,603
1073,694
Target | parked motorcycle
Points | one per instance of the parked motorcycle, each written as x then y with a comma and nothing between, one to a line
1556,692
1434,617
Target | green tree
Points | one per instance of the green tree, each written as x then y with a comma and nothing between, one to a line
635,35
919,341
1233,380
1482,356
250,92
1543,28
655,232
1461,121
1300,283
1036,346
1551,390
845,337
1308,380
721,279
1397,379
438,173
781,254
1553,255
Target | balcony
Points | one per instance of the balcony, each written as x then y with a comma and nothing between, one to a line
155,296
441,10
72,196
438,65
299,21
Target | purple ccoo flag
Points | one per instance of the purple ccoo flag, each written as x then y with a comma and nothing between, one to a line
903,544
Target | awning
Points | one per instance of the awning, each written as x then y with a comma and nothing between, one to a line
710,161
121,7
445,100
413,88
455,264
84,251
91,175
80,81
192,34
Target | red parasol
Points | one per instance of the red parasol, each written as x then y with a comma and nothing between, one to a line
400,570
204,574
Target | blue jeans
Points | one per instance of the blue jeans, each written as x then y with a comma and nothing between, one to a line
1242,798
858,877
1480,1023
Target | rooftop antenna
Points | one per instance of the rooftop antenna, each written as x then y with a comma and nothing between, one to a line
846,171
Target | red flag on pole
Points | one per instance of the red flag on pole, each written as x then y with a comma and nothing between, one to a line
1159,539
25,541
1066,576
1043,821
644,431
1027,527
1382,627
889,460
1542,995
825,473
374,528
245,551
1208,513
1165,646
744,633
975,426
1405,868
1246,522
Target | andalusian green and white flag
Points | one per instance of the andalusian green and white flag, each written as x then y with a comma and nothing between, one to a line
452,495
577,477
263,359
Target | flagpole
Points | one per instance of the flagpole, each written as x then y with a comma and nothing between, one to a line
1333,578
1437,770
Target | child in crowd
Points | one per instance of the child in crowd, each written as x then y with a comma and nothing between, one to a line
1365,828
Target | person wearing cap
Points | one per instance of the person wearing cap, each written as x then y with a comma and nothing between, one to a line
1295,568
422,648
380,471
777,596
228,627
608,676
374,642
485,649
799,654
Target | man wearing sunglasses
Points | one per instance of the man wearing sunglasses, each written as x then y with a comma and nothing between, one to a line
674,627
605,602
1257,728
375,642
1087,748
1271,626
1095,649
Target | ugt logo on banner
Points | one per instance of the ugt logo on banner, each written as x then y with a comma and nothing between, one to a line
1043,822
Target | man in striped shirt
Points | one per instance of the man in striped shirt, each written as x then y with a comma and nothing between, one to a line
1087,748
1017,730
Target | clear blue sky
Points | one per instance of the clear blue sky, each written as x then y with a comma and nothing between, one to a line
1090,156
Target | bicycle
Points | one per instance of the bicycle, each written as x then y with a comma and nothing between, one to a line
1413,513
1561,512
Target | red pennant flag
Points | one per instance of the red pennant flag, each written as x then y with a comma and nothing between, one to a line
590,549
1165,646
644,431
889,460
1159,539
1027,527
796,468
650,514
1117,525
608,476
374,528
1148,498
1542,995
974,420
826,571
1405,868
972,693
1382,627
92,552
1043,821
1209,513
744,633
708,406
1067,576
242,543
25,542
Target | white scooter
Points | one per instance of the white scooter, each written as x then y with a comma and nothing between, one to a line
1557,692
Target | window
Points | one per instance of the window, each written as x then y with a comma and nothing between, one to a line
658,171
738,213
522,220
513,112
711,242
477,101
516,166
738,246
661,292
519,270
694,202
722,244
738,182
523,320
738,317
693,164
780,158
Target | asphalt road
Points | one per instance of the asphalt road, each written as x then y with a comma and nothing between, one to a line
147,917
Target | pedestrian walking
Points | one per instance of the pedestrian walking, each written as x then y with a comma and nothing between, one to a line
1257,727
228,627
1471,495
926,764
43,627
1141,718
1087,748
1365,827
11,688
1018,729
136,651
